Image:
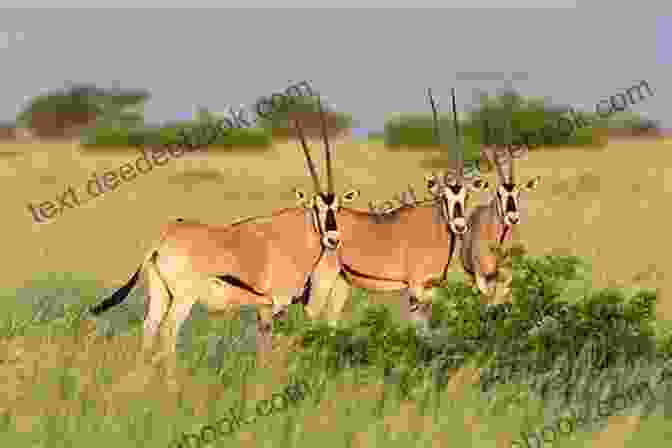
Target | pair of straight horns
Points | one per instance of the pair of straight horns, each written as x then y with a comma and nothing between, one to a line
309,160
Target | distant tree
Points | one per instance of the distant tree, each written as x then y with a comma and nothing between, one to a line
306,110
633,121
203,115
78,106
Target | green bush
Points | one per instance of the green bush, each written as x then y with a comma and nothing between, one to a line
631,120
119,137
528,116
548,319
413,131
278,119
123,137
201,133
586,137
245,137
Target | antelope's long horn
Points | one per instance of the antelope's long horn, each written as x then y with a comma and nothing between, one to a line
500,161
437,135
509,132
490,151
435,119
459,164
330,178
309,160
496,160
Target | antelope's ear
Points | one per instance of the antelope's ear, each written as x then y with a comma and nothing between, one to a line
479,185
300,194
350,195
430,180
532,184
301,197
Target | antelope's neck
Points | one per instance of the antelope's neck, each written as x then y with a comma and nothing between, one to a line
503,230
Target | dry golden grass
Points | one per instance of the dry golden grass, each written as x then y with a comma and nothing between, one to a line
606,206
609,206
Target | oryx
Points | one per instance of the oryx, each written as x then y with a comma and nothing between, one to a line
490,224
265,261
407,251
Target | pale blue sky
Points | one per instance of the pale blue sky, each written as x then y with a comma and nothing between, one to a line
368,62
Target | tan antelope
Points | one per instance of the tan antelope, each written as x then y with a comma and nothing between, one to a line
489,225
266,261
407,251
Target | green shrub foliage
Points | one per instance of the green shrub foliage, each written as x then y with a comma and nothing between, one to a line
197,133
533,123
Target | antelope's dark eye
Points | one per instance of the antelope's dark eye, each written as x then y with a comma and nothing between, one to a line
431,183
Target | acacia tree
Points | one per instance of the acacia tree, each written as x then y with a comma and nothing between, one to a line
80,106
305,109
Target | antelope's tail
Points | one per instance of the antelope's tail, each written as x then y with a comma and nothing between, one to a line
118,296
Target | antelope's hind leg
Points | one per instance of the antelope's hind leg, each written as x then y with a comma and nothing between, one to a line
158,302
186,293
264,328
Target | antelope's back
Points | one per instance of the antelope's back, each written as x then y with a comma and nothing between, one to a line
413,240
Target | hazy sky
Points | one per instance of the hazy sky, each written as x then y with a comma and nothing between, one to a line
368,62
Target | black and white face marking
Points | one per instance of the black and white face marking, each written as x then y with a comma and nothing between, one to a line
508,196
454,195
323,208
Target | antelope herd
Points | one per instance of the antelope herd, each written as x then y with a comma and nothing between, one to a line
313,253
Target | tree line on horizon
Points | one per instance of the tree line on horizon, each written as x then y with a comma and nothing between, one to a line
116,117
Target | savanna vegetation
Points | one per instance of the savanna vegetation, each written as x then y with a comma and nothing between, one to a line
365,377
590,309
112,118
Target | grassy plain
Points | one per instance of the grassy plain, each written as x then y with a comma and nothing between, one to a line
609,206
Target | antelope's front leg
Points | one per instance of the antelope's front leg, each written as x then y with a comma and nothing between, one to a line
420,306
338,296
486,273
502,292
486,283
323,281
